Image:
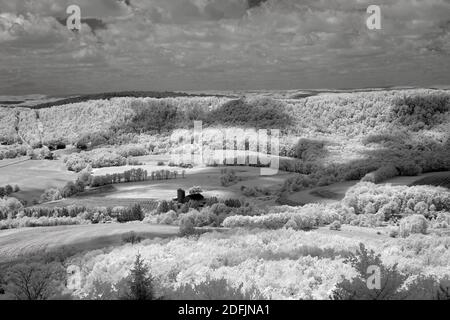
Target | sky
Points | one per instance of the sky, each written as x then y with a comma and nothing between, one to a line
181,45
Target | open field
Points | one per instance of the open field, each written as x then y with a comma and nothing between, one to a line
206,177
16,242
34,176
91,201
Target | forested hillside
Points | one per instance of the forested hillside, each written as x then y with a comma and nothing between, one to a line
350,115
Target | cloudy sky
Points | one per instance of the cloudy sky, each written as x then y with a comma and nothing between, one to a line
221,44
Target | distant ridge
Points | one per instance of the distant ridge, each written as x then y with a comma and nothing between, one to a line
306,93
42,101
110,95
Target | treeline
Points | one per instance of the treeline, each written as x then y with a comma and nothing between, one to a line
97,158
134,175
47,216
105,157
86,179
95,215
8,190
110,95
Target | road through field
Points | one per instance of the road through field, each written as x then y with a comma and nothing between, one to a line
16,242
11,162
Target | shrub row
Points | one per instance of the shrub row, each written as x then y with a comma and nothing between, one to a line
304,218
97,158
134,175
94,215
28,222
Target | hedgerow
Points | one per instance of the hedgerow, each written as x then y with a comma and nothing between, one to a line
14,215
27,222
305,218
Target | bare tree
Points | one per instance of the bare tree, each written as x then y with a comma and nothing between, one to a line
34,280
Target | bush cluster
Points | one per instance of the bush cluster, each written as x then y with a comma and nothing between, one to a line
255,191
9,207
416,223
393,284
212,289
8,190
97,158
12,151
394,201
228,177
191,215
383,173
309,150
442,220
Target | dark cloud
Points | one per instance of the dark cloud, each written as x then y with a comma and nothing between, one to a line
255,3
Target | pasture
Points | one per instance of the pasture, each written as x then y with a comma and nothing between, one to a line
34,176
